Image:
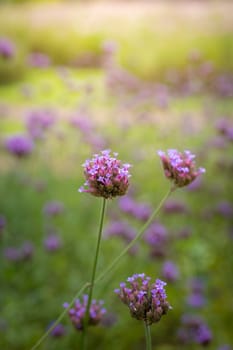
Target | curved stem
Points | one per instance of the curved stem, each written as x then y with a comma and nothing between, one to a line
139,234
44,336
86,318
148,336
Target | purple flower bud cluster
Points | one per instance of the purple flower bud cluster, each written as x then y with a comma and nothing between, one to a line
194,330
19,145
180,167
140,211
147,302
105,176
77,313
7,48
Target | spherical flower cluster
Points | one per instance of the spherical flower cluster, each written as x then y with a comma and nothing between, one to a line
77,314
19,145
53,208
105,176
180,167
145,301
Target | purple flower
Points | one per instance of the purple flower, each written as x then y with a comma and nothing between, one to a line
145,301
19,145
77,313
12,254
157,238
194,330
170,271
106,176
7,48
52,242
53,208
58,331
140,211
180,167
38,121
39,60
2,223
174,207
27,251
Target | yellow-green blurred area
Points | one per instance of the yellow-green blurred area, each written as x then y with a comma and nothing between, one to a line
78,77
152,37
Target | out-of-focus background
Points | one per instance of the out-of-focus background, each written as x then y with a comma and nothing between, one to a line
77,77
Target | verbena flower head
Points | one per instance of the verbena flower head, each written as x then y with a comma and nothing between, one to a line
106,176
19,145
147,302
77,313
7,48
180,167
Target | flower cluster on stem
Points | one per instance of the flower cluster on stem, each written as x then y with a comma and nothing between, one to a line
106,176
180,167
147,302
77,313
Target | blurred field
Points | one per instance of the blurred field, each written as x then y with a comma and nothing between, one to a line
133,78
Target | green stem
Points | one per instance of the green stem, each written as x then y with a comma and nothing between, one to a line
86,318
139,234
148,336
44,336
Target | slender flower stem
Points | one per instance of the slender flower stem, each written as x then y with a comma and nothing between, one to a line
93,273
44,336
139,234
148,336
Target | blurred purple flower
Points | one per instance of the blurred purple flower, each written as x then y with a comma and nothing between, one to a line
170,271
194,330
140,211
39,60
106,176
38,121
77,313
52,243
174,207
53,208
156,236
19,145
12,254
27,250
7,48
2,223
58,331
225,209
